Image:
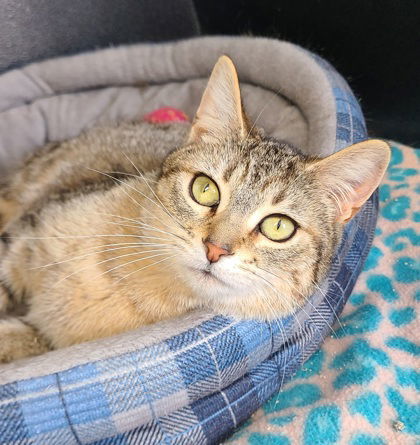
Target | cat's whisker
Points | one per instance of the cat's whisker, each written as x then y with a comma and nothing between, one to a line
136,243
301,308
145,267
140,226
132,226
285,301
138,222
317,311
125,192
307,300
146,226
131,246
106,261
130,262
289,306
78,236
154,193
281,330
141,194
276,318
148,217
84,236
100,246
284,340
132,220
276,93
331,307
129,174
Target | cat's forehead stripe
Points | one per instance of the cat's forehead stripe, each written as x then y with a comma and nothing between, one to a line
229,171
279,197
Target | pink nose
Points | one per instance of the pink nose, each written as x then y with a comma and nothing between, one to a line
214,252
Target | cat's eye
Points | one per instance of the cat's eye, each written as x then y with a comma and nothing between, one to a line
204,191
278,227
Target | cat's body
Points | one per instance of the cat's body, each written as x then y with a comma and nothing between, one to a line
99,237
61,208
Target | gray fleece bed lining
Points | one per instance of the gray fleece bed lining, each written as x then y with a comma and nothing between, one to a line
106,105
47,105
272,65
56,99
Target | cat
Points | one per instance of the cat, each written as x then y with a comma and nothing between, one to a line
134,223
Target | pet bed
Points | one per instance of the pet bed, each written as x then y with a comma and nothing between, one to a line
194,379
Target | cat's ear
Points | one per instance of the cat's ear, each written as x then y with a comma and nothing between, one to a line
220,112
351,175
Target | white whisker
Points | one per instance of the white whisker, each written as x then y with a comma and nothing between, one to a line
140,193
291,309
331,307
105,261
83,237
135,221
261,112
139,223
126,193
130,262
145,267
131,246
154,194
146,226
276,317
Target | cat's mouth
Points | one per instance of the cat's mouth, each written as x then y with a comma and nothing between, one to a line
208,275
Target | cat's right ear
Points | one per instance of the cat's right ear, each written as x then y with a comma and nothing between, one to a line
220,112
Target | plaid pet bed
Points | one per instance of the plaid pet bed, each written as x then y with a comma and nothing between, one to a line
198,386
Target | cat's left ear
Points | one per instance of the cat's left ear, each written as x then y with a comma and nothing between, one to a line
351,175
220,112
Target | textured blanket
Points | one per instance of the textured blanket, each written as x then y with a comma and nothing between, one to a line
362,387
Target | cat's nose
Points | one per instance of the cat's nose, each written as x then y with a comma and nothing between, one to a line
214,252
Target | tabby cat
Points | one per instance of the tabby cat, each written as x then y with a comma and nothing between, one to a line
111,230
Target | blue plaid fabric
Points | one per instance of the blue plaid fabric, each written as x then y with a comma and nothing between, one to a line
213,376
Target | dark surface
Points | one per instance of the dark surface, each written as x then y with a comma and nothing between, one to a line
38,29
375,45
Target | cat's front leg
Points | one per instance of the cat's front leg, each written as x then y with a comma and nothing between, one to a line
19,340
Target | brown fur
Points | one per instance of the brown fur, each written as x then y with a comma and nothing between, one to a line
100,234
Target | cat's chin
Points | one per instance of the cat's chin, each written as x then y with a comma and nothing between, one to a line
205,279
213,288
234,295
208,277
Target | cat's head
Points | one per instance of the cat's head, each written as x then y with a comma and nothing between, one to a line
260,221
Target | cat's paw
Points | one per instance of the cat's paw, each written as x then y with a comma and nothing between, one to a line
18,340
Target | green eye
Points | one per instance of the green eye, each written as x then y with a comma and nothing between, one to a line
205,191
278,227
